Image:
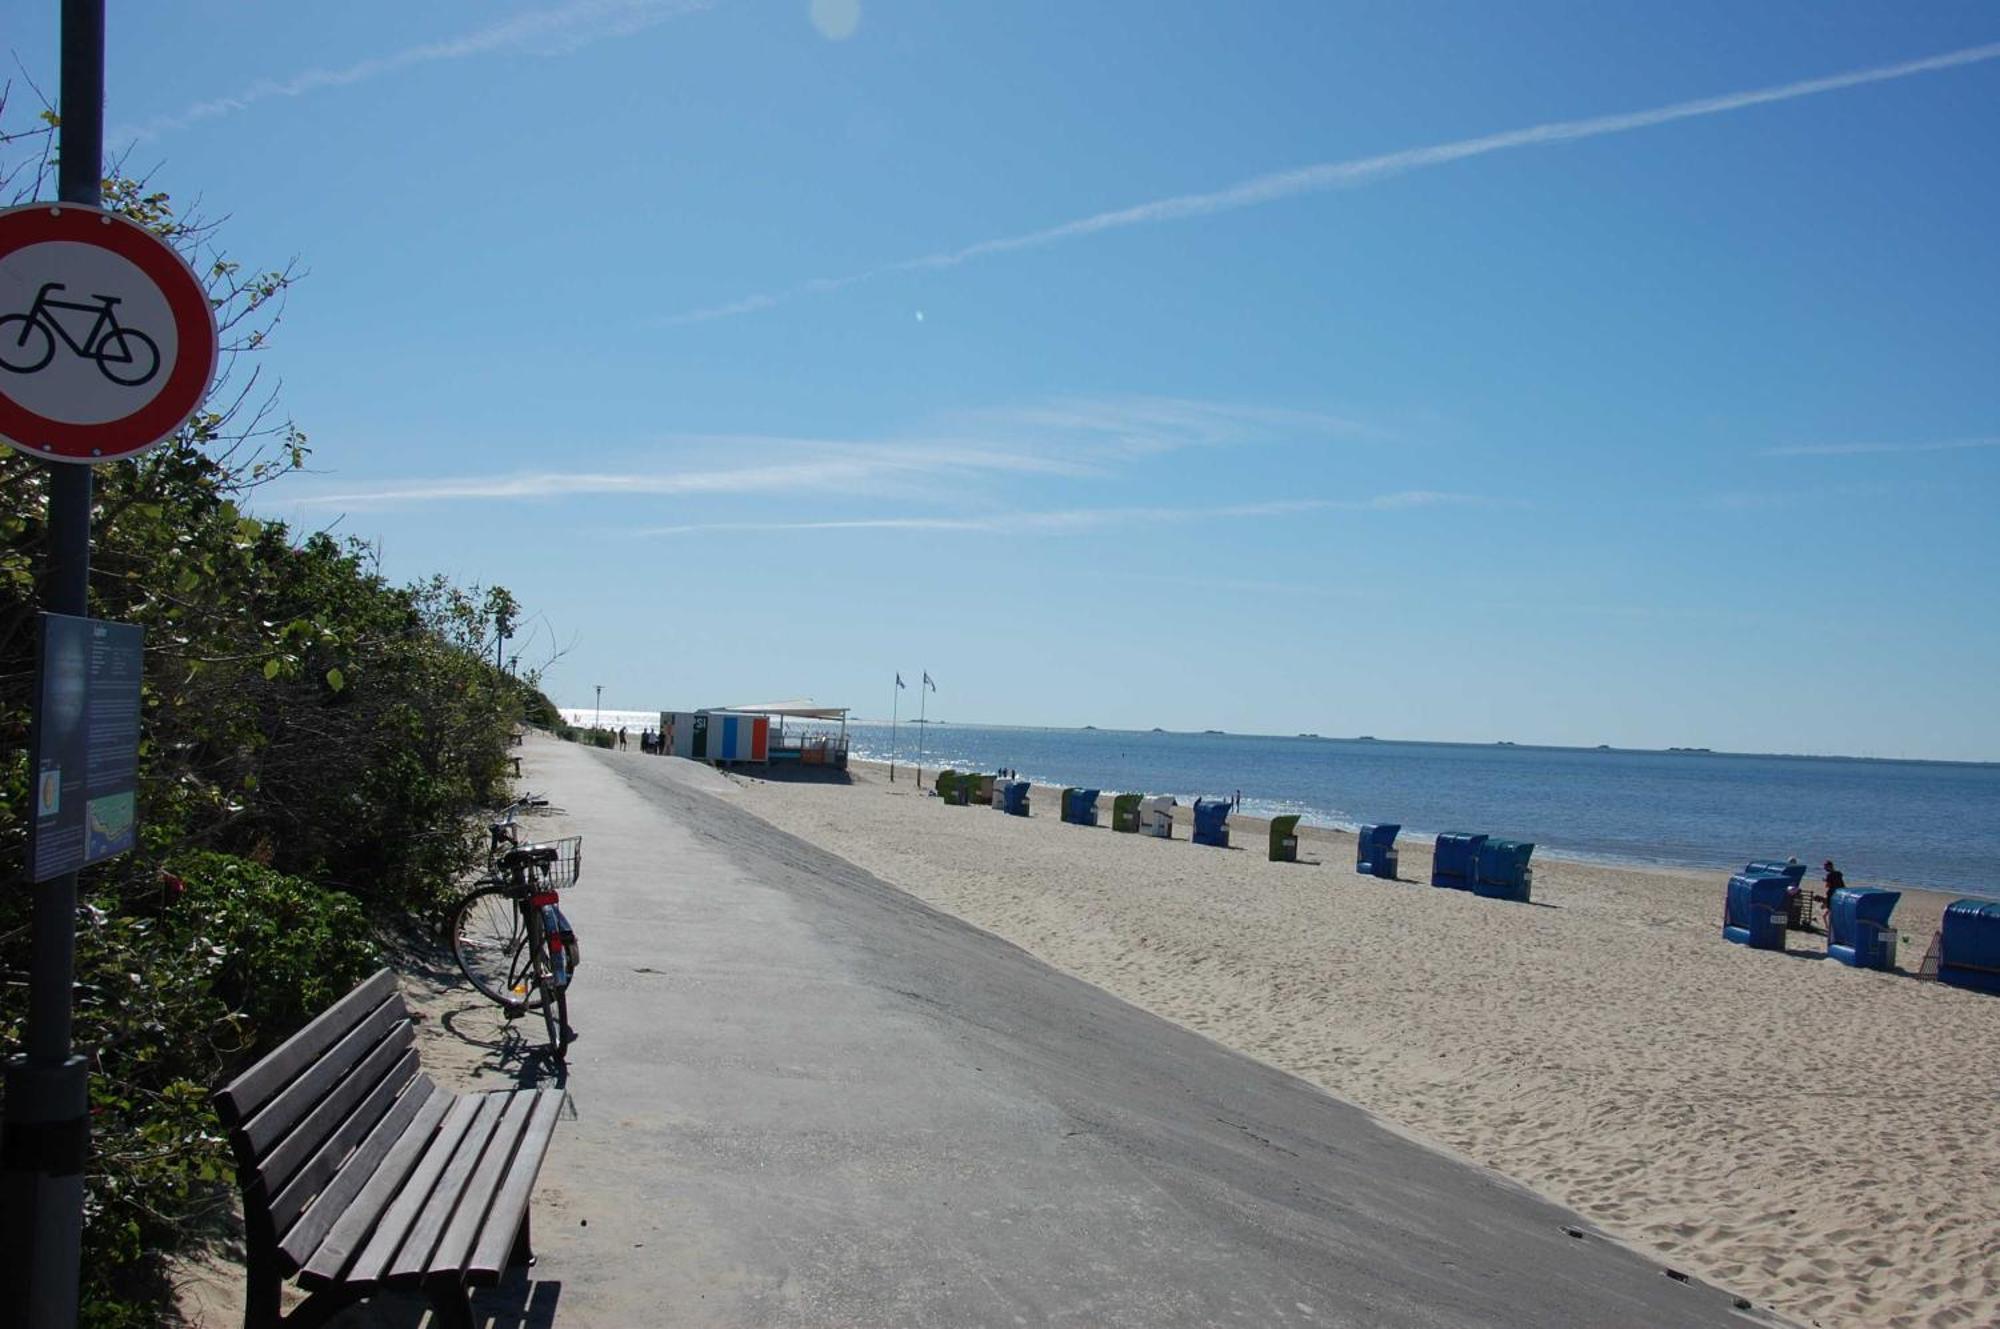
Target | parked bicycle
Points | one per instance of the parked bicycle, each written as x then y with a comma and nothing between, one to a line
126,356
510,936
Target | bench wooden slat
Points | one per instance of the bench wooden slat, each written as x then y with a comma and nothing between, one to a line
447,1262
337,1195
327,1160
510,1206
309,1135
349,1224
304,1094
414,1257
388,1236
257,1086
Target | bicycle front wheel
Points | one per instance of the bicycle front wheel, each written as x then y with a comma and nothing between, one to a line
488,930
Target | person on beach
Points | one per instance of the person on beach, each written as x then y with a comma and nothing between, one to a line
621,738
1834,881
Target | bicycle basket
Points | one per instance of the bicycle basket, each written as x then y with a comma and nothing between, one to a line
550,864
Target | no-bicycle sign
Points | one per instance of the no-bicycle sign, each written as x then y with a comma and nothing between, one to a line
107,338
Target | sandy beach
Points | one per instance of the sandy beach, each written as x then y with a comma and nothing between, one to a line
1817,1138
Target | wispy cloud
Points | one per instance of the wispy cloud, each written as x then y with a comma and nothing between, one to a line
1349,174
1073,438
1085,519
554,31
1872,449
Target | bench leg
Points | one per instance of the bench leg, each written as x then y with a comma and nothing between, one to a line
523,1253
263,1295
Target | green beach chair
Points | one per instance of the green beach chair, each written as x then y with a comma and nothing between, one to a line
1285,839
1125,813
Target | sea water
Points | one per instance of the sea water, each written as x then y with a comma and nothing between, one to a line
1932,824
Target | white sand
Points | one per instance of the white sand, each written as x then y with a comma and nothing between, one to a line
1817,1138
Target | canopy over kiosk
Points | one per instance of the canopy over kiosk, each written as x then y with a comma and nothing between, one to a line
1285,838
1211,822
1375,851
1857,927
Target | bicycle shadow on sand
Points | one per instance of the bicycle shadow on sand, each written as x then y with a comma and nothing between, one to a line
500,1048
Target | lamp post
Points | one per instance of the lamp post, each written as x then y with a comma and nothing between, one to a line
598,722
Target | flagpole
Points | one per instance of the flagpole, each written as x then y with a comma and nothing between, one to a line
923,709
895,705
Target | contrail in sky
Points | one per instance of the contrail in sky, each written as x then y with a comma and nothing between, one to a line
555,31
1359,171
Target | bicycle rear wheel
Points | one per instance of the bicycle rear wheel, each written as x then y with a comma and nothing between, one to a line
554,996
489,939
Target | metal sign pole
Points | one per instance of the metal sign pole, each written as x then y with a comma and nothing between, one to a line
47,1127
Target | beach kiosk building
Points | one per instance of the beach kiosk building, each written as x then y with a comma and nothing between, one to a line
786,731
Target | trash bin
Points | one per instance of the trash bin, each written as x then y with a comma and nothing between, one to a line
1455,860
1011,797
1086,807
1156,816
1502,871
1375,851
1125,813
1285,839
1857,927
1753,912
1211,822
1969,945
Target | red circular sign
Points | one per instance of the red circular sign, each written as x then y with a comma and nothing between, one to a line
107,338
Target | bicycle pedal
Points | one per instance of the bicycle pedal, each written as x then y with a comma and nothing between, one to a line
513,1011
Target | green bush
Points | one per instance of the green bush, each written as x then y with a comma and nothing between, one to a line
286,949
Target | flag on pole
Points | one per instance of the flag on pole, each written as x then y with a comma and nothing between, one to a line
899,681
927,682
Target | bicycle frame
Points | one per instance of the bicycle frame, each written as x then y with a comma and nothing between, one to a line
37,313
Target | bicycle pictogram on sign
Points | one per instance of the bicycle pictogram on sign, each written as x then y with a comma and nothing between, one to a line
28,341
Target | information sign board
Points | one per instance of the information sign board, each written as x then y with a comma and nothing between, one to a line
86,745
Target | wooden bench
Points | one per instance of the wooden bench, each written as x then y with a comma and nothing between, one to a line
359,1173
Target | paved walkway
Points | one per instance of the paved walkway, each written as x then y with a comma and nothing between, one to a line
805,1098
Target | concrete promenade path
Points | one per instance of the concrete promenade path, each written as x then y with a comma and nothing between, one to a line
802,1097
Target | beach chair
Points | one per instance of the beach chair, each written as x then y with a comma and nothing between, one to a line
1968,945
1211,822
1285,839
1125,813
1068,812
1754,912
1857,928
1375,851
1086,807
1798,903
1011,797
1455,859
945,784
981,791
1156,816
1501,871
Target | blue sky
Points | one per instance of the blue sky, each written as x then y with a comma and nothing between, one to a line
1616,373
